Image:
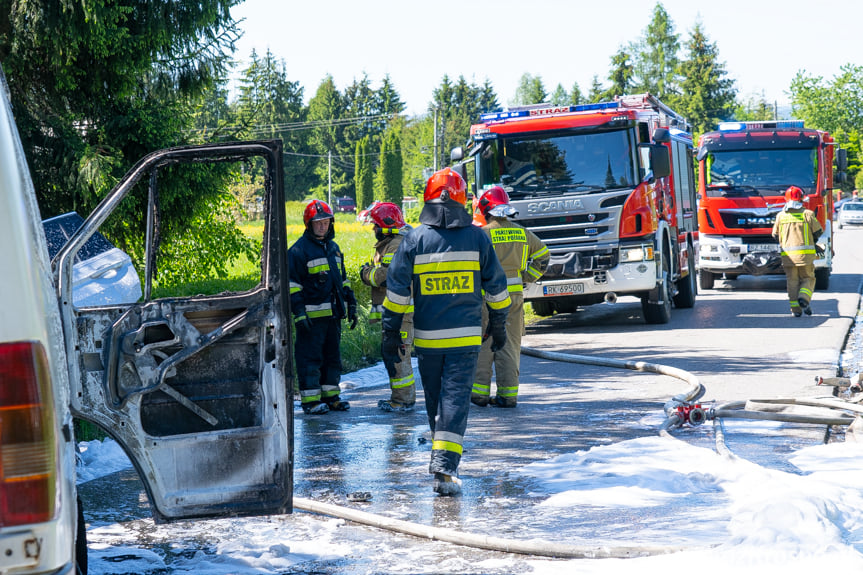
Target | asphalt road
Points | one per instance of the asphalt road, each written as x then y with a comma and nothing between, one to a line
740,340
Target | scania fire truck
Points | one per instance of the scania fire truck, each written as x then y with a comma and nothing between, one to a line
744,170
609,188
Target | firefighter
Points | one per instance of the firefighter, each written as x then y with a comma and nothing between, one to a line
390,228
797,230
321,297
450,268
523,257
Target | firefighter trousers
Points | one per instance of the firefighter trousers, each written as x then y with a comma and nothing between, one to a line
319,361
402,386
505,361
800,281
447,379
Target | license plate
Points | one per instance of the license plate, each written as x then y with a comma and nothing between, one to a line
563,289
763,248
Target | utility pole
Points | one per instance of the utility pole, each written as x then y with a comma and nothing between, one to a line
330,178
434,158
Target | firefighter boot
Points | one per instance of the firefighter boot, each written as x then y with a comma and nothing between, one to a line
336,404
480,400
447,485
315,408
393,406
804,304
498,401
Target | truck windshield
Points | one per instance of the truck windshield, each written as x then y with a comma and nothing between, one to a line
760,172
568,162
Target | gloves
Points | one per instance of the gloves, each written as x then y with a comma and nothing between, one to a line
391,346
365,272
820,249
303,324
498,335
352,315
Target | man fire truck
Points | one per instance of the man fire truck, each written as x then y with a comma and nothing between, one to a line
744,170
609,188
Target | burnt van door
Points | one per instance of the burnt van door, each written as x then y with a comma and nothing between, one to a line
197,389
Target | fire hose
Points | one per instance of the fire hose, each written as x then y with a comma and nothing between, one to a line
680,409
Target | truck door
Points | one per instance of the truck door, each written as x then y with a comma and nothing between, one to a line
197,389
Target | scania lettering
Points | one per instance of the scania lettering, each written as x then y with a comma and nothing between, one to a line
744,170
609,188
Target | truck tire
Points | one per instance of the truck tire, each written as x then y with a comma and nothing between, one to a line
656,313
686,287
705,278
822,279
542,308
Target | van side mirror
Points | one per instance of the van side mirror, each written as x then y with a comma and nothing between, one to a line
457,154
661,135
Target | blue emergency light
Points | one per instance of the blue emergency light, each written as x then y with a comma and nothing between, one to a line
740,126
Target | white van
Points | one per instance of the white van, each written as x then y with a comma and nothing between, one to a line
197,389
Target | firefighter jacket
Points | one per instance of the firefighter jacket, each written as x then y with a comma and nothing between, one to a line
451,268
375,275
797,231
319,285
522,254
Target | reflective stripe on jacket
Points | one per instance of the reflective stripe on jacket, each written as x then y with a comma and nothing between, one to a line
447,270
375,276
522,254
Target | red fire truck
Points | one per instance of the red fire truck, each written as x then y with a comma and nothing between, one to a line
744,170
609,188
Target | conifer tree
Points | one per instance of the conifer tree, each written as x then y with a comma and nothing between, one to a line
363,174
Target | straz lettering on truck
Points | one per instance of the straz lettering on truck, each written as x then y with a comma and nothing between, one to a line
446,283
554,206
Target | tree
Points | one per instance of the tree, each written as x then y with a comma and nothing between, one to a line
707,95
559,97
754,109
596,91
655,56
835,106
620,76
97,85
363,173
530,90
575,95
326,137
388,180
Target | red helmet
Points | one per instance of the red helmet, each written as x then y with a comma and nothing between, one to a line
492,198
793,194
446,184
317,210
388,217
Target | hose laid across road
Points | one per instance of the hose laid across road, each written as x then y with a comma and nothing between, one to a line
553,549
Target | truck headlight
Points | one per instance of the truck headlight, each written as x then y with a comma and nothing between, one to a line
636,254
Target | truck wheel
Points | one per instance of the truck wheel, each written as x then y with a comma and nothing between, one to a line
822,279
686,287
655,313
81,542
705,278
542,308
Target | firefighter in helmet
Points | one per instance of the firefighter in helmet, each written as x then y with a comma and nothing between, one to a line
448,269
523,257
390,229
321,296
797,230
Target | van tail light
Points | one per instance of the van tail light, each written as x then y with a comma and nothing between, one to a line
28,476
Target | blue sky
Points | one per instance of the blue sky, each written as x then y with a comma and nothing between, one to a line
763,43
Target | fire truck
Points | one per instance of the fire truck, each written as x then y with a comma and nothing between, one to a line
609,188
744,170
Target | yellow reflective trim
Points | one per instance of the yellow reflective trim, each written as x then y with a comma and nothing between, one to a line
482,389
387,258
400,383
446,446
540,252
446,283
296,289
299,318
515,288
507,391
453,266
499,304
321,313
395,307
319,269
448,342
533,272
